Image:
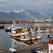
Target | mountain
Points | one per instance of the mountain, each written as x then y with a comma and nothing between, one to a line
23,14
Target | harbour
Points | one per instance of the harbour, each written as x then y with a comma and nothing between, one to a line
26,26
25,48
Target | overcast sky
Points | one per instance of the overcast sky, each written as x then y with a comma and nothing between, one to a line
26,4
40,5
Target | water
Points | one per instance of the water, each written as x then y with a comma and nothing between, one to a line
5,41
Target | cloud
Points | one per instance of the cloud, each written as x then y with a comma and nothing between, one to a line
26,4
42,6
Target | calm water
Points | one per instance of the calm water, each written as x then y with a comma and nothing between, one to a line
5,41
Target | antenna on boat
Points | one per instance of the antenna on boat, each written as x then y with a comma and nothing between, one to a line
39,32
13,25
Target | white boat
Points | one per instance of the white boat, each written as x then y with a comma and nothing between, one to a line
23,35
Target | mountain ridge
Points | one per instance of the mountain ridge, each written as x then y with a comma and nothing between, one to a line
23,14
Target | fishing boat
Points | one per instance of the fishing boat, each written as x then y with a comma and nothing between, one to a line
23,34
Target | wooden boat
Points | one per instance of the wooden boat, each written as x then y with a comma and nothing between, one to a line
23,35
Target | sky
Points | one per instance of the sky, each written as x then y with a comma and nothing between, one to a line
45,6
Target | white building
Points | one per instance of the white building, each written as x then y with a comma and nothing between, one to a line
50,45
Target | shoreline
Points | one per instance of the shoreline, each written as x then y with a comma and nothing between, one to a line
25,21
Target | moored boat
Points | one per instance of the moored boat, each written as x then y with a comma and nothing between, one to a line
23,34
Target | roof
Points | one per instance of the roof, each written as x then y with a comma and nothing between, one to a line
51,41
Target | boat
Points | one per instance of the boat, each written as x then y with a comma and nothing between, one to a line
23,34
1,27
8,29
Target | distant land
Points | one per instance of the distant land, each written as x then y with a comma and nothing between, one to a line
23,14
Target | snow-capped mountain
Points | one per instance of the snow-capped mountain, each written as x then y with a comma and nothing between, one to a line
23,14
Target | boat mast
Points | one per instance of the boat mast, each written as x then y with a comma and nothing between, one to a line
13,25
